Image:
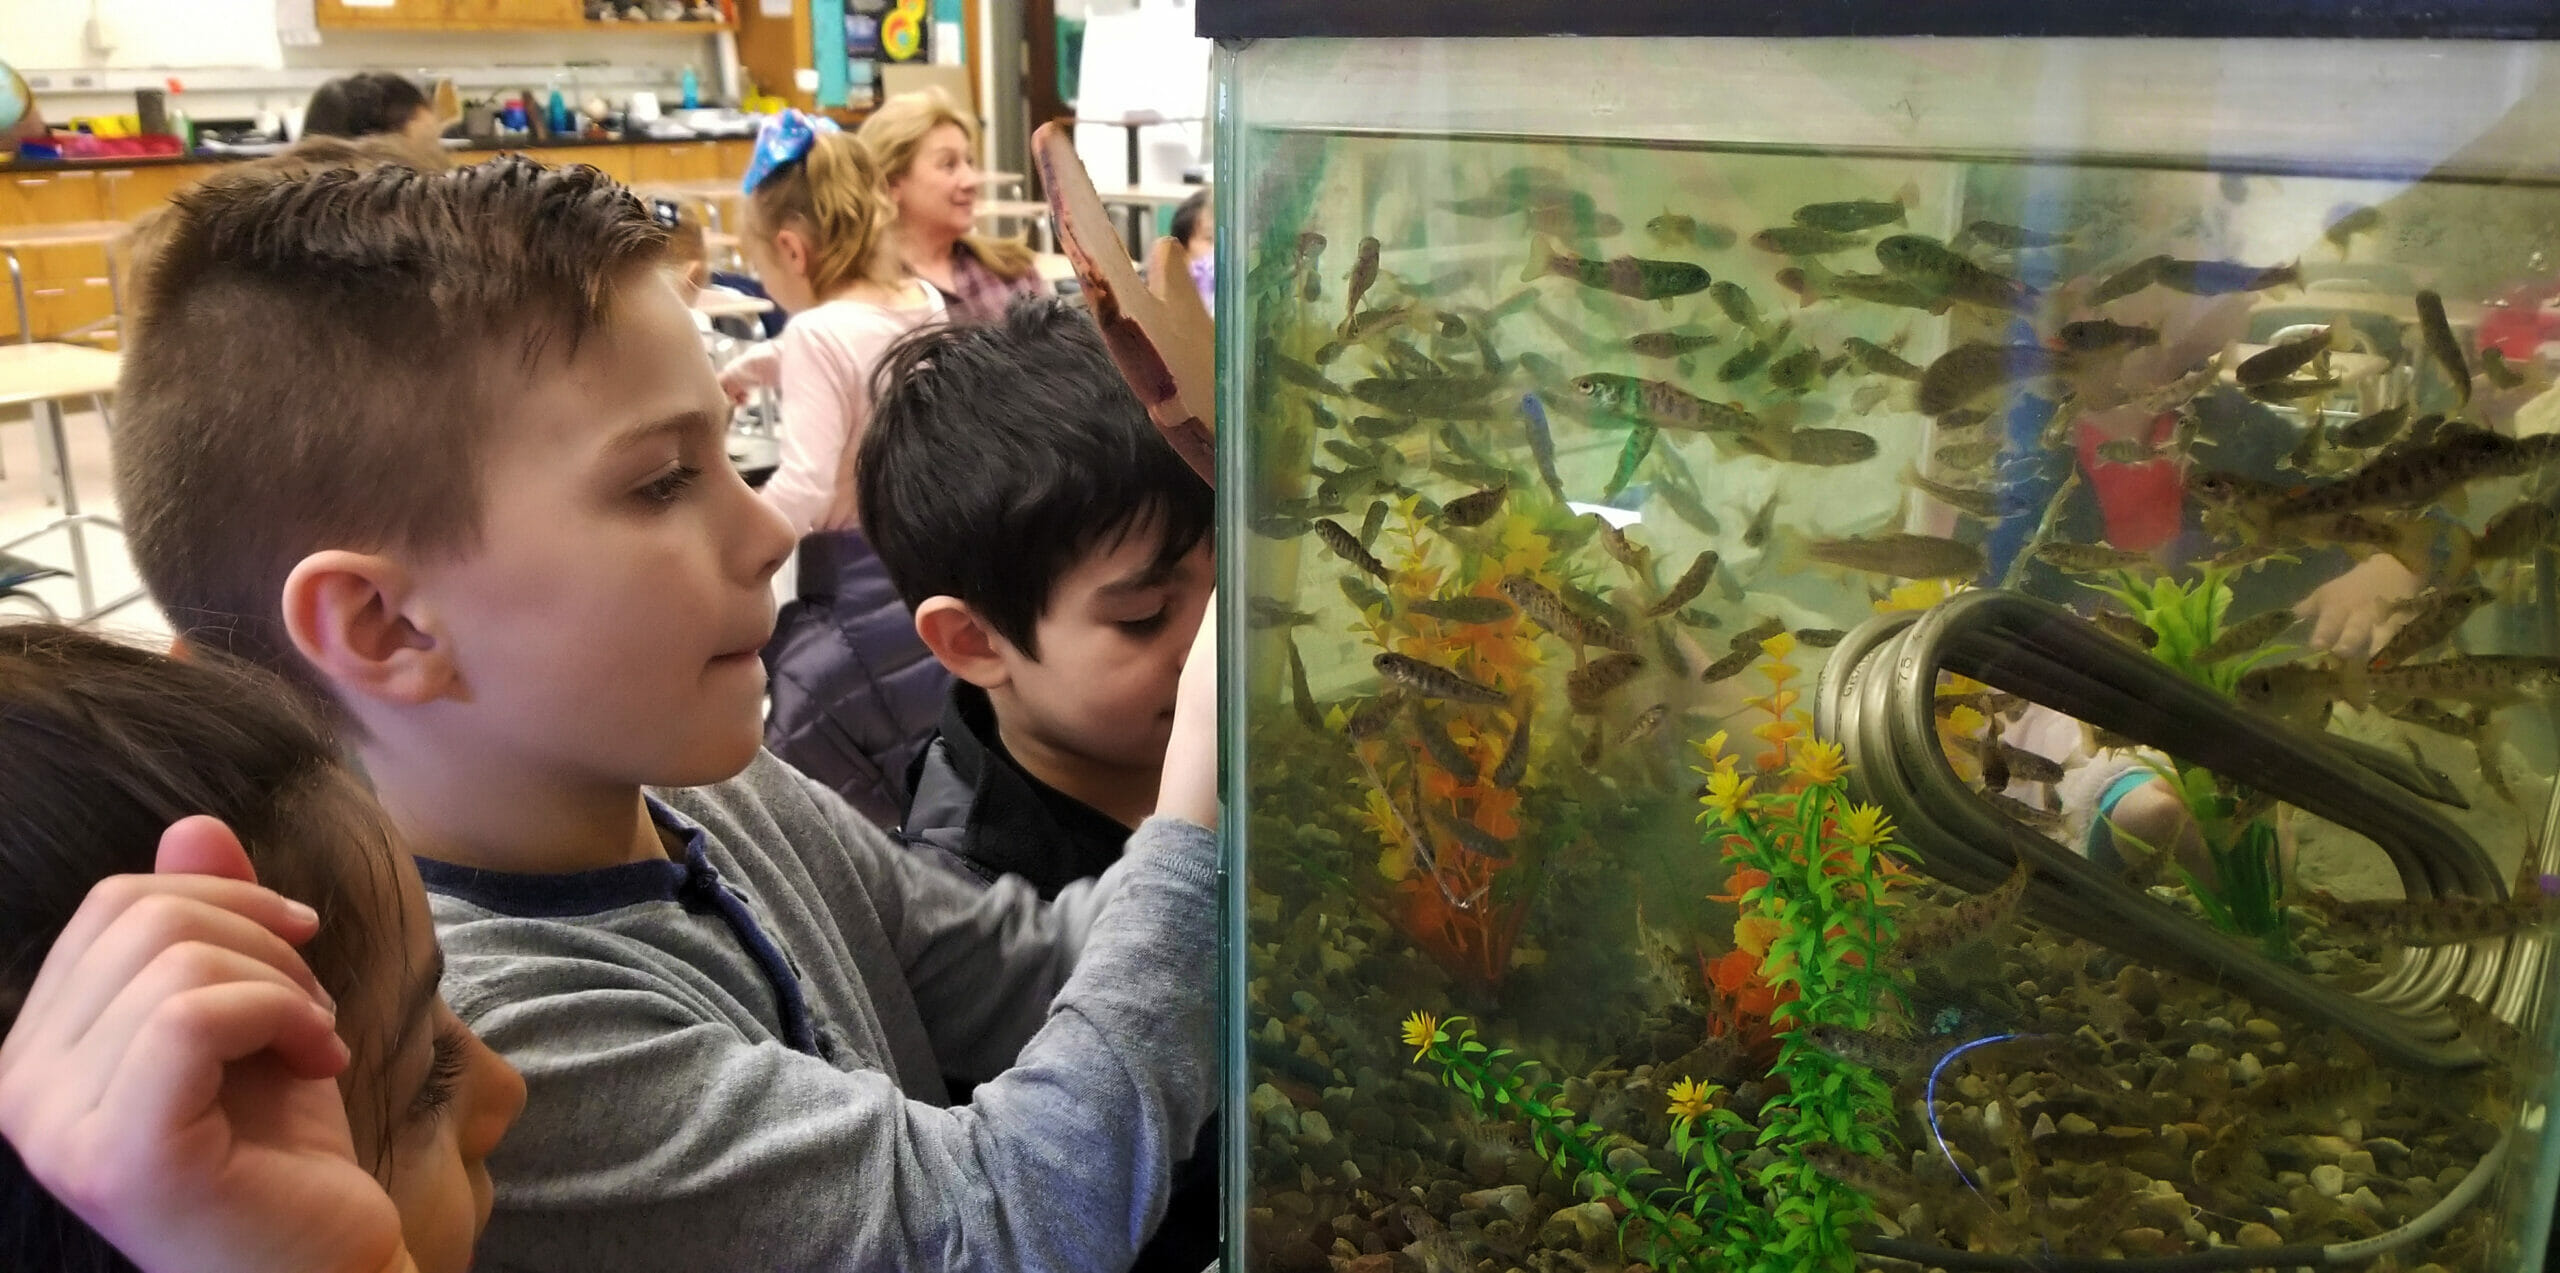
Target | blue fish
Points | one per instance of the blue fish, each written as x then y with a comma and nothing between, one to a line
1542,443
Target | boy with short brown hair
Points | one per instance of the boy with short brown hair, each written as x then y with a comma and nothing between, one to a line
488,515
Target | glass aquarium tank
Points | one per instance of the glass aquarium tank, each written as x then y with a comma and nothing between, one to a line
1887,651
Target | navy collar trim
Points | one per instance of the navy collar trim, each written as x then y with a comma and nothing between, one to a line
610,888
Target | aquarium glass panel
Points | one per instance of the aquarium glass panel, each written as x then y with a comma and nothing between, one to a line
1864,650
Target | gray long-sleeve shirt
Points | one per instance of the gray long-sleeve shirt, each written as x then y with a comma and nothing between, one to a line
673,1123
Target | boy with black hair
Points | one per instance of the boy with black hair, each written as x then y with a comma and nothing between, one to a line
371,102
486,515
1057,556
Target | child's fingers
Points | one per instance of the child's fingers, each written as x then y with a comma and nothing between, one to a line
202,845
128,919
140,1128
173,972
174,1070
2325,632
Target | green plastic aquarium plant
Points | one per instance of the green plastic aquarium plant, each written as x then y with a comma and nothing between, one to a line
1662,1224
1816,879
2190,621
1819,875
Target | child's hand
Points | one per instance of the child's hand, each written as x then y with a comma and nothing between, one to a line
750,371
2351,616
170,1077
1189,787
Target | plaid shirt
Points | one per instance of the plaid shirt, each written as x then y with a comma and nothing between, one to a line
979,294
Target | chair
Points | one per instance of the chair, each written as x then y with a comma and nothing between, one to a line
16,573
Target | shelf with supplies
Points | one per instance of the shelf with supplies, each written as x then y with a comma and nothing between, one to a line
493,15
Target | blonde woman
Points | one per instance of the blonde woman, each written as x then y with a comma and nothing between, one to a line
923,144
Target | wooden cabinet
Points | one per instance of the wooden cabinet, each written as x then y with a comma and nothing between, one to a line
127,193
674,161
64,306
67,285
396,15
32,198
516,13
775,49
614,161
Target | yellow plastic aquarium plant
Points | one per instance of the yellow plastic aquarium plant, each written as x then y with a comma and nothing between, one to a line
2193,635
1443,789
1819,875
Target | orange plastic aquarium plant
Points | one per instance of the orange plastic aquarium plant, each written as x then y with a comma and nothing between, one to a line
1447,810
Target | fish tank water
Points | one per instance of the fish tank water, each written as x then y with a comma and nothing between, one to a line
1917,653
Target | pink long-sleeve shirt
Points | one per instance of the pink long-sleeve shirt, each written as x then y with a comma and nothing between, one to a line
822,363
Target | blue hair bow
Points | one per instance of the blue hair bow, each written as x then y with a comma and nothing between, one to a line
784,139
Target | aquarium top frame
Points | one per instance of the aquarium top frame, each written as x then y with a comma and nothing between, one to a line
2175,19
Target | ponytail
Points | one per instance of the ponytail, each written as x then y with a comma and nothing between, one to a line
835,192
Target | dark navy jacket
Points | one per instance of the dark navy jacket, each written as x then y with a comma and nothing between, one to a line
976,812
855,692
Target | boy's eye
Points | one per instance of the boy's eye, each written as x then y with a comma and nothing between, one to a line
666,488
1147,626
444,1074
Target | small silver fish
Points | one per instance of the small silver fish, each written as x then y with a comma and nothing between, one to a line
2090,558
1645,723
2276,362
2371,429
1347,546
1445,751
1265,612
1762,522
1548,611
1361,595
1432,681
2441,344
1469,836
1686,589
1463,609
1730,665
1372,522
1628,553
1668,344
1474,509
2439,616
1751,637
1586,687
1515,757
2243,637
1986,505
1870,356
1364,272
1902,555
1301,699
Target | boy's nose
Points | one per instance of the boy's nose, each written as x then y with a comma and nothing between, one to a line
767,540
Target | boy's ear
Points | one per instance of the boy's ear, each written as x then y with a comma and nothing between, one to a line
968,647
349,614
